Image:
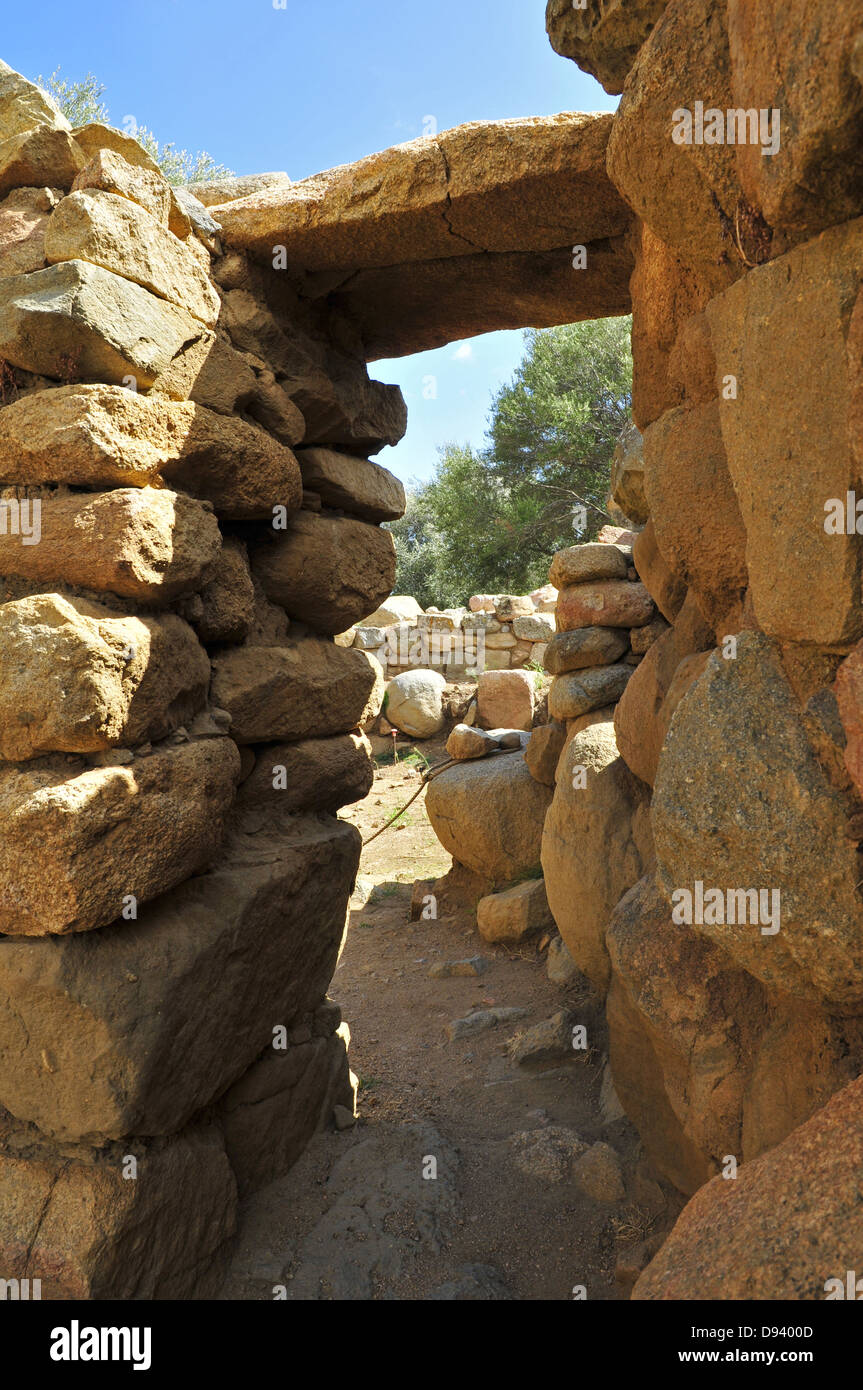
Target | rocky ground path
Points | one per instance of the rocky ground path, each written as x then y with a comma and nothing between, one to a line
522,1206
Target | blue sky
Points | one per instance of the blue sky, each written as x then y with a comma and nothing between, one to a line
310,85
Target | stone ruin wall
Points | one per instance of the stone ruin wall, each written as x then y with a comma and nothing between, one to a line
177,725
495,632
739,732
160,443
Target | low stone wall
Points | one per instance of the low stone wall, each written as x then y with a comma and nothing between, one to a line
495,632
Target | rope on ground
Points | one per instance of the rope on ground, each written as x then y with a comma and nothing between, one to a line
431,772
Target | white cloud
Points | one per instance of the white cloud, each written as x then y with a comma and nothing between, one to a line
463,353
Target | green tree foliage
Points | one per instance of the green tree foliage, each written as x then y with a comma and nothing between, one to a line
179,166
490,520
81,102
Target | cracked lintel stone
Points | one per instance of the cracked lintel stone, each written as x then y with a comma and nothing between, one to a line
496,186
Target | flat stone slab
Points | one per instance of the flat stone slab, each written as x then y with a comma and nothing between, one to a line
454,234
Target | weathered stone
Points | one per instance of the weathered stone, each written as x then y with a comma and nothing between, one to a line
205,227
578,692
488,186
465,743
627,477
316,774
644,713
110,172
232,187
414,702
95,136
693,506
74,678
329,386
560,967
497,660
102,436
73,1222
505,700
547,1153
452,235
458,969
584,647
515,914
326,571
544,599
611,1110
598,1174
24,215
603,39
212,373
666,587
615,535
691,363
308,688
111,231
509,606
801,188
78,320
849,694
585,563
643,638
543,751
102,835
606,603
546,1042
521,653
500,641
440,620
505,842
272,407
148,544
667,293
482,1020
807,297
684,60
539,627
398,608
814,1051
224,610
148,1021
683,1020
24,106
272,1112
41,158
789,1227
353,484
735,746
595,843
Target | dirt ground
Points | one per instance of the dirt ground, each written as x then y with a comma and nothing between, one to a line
423,1198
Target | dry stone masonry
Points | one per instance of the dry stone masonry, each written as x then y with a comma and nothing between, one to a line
707,877
177,727
196,582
